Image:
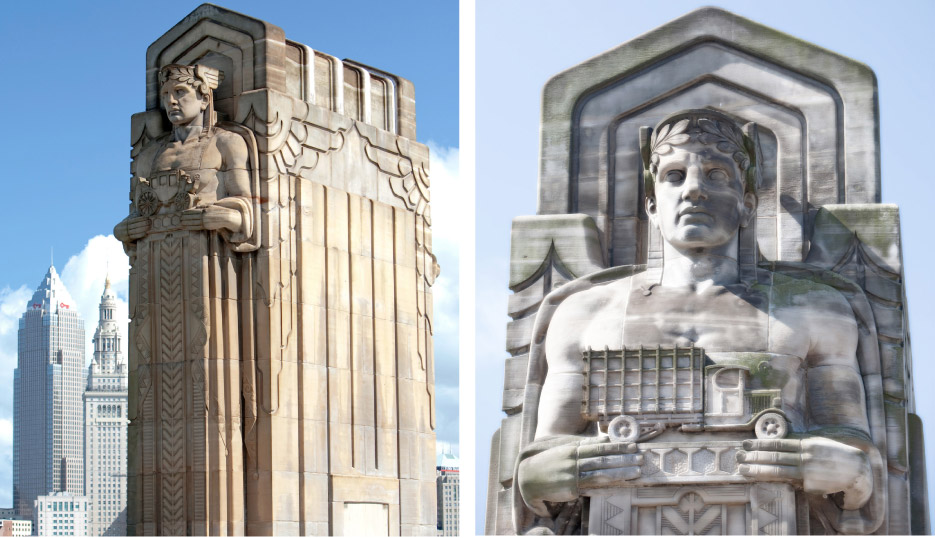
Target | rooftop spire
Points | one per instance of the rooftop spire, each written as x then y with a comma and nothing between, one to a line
51,294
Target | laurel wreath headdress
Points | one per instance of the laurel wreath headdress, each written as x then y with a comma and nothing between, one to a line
707,127
201,77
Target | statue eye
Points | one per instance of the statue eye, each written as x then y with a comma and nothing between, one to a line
674,176
718,175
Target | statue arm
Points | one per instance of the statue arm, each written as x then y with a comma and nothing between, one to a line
837,411
568,457
231,215
834,455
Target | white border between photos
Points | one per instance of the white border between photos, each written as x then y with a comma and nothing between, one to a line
466,272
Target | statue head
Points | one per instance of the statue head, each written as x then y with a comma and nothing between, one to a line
185,92
701,174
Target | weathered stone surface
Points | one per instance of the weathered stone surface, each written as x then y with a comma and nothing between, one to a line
280,344
744,284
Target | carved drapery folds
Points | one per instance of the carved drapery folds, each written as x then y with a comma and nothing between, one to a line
297,349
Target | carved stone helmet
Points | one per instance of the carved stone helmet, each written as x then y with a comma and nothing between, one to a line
707,126
202,78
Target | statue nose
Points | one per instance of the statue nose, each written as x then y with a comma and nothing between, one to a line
693,188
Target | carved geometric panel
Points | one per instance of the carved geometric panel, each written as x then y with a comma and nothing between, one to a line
711,510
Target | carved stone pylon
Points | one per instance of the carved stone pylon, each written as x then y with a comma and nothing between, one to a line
281,368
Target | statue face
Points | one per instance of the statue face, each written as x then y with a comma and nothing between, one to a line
182,102
699,197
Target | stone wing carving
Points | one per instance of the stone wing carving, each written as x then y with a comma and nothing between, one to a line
296,140
862,243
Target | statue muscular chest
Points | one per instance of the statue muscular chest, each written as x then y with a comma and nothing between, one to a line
198,158
718,319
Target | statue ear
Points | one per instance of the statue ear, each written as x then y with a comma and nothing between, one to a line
651,207
649,193
749,209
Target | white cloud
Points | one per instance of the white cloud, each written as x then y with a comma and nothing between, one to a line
448,213
84,275
6,460
6,432
12,305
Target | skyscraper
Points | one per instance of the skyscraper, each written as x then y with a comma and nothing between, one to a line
105,415
48,433
447,472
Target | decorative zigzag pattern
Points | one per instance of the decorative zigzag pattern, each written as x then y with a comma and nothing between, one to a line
146,405
173,504
198,327
172,389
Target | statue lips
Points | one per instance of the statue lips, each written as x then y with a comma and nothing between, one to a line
693,211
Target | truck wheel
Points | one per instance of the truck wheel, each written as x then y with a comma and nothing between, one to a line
771,426
624,429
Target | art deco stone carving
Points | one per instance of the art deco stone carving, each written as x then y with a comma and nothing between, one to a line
281,369
676,369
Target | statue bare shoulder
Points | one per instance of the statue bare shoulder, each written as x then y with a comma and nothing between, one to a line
802,307
576,315
232,153
574,319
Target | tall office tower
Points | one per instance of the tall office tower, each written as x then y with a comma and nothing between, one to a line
48,423
447,494
105,416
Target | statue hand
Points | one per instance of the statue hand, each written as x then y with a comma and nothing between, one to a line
131,229
211,217
193,219
822,465
564,473
217,217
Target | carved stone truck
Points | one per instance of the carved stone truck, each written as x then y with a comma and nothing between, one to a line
635,394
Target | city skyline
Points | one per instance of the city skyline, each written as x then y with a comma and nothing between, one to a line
48,430
67,65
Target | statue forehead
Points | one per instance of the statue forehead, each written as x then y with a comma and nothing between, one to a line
173,82
694,151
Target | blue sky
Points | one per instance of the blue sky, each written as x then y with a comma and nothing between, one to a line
74,73
520,45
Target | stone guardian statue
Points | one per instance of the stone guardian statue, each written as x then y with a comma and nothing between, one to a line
709,329
705,351
190,234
